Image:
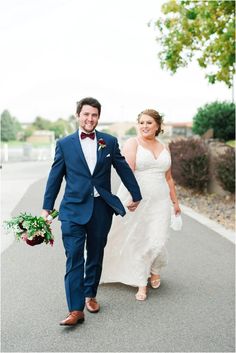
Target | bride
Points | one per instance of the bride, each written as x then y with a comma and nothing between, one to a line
136,249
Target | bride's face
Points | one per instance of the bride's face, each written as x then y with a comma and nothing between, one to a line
147,126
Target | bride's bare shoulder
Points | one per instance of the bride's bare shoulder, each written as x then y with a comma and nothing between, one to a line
130,144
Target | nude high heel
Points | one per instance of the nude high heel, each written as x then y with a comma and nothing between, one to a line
156,283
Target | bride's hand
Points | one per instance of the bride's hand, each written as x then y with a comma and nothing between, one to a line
177,209
132,205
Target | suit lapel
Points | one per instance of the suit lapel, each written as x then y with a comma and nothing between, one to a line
79,150
99,150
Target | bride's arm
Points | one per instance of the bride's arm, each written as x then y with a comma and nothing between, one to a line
129,152
173,195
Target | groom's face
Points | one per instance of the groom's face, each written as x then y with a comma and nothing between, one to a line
88,118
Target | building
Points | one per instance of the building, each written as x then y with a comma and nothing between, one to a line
42,136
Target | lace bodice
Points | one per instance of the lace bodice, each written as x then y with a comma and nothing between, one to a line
145,160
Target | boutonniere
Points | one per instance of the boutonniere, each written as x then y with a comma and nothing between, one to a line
101,144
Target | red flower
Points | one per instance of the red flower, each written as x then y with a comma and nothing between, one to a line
101,143
38,239
51,241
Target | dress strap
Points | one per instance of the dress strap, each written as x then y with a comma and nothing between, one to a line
165,146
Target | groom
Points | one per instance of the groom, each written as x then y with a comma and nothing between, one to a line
84,159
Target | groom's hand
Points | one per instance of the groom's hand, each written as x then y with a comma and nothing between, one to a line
45,214
132,205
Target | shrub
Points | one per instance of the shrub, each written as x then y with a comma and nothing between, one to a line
220,116
190,163
225,170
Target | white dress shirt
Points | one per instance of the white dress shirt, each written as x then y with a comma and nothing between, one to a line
89,148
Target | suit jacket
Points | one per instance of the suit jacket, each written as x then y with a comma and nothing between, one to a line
78,199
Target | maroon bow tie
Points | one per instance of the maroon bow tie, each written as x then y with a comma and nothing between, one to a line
84,135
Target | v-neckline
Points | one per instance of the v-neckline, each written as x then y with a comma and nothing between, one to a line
147,149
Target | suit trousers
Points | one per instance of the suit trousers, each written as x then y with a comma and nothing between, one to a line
83,275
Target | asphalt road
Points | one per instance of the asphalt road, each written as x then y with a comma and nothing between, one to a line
192,311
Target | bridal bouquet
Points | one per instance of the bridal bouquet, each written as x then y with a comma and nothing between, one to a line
33,230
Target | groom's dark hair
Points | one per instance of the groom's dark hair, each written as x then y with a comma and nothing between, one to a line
88,101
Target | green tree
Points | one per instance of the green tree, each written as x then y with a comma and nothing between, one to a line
72,122
10,126
131,132
27,132
41,123
204,30
61,128
220,116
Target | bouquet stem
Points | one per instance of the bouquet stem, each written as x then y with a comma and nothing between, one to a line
52,215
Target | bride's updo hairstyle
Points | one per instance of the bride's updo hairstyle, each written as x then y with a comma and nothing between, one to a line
156,116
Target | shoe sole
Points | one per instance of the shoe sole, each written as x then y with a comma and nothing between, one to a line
93,311
80,321
155,287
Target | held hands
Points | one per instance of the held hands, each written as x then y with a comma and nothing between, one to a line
132,205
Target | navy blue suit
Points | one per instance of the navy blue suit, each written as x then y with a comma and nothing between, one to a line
85,218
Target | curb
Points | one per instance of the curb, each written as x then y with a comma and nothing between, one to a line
219,229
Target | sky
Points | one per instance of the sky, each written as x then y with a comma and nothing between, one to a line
55,52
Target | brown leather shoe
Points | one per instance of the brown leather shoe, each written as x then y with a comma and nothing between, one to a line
92,305
74,318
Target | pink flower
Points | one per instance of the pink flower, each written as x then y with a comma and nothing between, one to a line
24,236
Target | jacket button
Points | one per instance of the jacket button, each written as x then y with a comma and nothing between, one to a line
92,194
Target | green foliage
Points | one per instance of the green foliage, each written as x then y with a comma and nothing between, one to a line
190,163
201,29
28,132
42,124
25,133
60,127
9,127
220,116
231,143
72,121
131,132
225,170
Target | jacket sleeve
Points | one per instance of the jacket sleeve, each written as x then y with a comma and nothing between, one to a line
57,172
125,173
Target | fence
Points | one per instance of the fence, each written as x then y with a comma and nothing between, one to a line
26,152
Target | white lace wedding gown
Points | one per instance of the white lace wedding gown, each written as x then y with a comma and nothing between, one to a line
136,243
